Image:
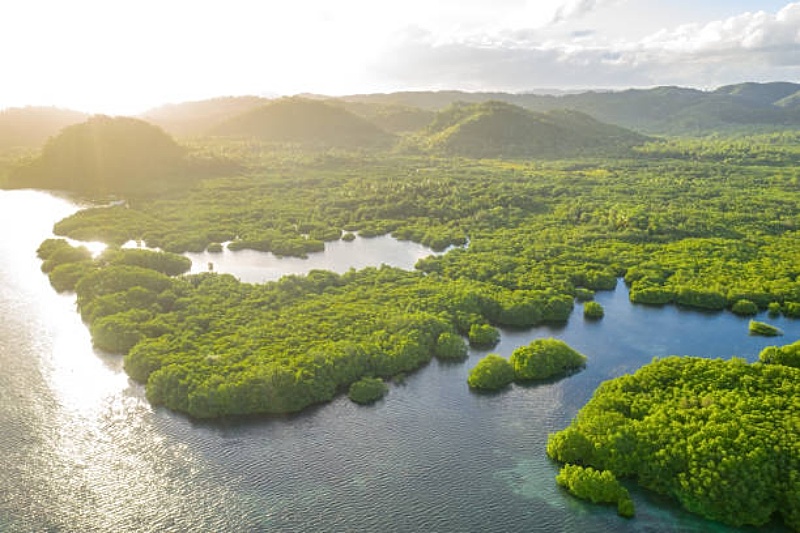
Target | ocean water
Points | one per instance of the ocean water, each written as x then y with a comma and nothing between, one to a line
82,450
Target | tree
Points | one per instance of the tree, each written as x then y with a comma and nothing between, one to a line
450,346
597,486
105,155
593,310
788,355
545,358
493,372
367,390
483,335
744,308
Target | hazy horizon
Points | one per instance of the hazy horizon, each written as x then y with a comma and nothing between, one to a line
127,58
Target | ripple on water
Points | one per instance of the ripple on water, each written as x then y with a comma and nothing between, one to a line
81,450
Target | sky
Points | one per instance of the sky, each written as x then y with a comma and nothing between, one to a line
124,57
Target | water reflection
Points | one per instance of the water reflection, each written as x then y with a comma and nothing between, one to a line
339,256
78,447
81,450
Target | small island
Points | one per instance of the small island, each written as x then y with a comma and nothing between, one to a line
545,359
539,360
763,329
593,310
493,372
367,390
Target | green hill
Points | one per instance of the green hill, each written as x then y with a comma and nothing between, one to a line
498,129
764,94
389,117
307,122
790,102
195,119
105,155
30,127
660,110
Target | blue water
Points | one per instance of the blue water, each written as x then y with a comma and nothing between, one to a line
82,450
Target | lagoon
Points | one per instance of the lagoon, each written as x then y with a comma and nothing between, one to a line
82,450
252,266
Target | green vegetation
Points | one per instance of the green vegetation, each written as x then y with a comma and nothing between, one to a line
788,355
391,118
311,123
596,486
450,347
196,119
681,230
493,372
498,129
544,359
763,329
483,336
710,224
57,252
541,359
593,310
105,155
745,107
163,262
721,437
367,390
744,307
583,295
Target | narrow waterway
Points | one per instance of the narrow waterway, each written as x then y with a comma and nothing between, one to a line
81,450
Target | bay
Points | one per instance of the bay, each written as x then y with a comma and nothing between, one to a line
82,450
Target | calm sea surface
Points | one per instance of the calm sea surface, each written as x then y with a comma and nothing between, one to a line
81,449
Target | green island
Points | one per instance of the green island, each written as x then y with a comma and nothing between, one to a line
367,390
593,310
762,328
532,208
492,373
540,360
722,437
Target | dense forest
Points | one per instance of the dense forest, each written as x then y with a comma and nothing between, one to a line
680,230
721,437
525,232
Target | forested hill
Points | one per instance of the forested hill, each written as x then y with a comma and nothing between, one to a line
498,129
30,127
105,155
193,119
661,110
306,122
391,117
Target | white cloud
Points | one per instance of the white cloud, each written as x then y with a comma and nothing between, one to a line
571,9
749,46
100,55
